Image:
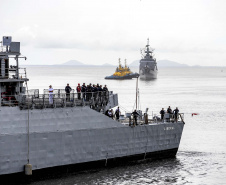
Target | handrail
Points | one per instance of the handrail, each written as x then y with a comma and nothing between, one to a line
95,100
182,117
10,73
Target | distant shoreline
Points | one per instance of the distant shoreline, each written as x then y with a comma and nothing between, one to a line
60,65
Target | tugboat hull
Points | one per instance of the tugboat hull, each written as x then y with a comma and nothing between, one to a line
129,76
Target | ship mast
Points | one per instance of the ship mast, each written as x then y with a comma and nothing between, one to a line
148,51
136,92
119,63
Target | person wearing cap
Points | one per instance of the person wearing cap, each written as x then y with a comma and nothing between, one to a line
79,91
83,89
50,94
67,90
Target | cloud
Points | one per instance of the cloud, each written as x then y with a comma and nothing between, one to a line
84,30
26,34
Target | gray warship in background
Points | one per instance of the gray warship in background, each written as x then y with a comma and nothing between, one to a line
148,65
36,133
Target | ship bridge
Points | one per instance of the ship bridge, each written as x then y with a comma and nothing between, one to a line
11,76
14,91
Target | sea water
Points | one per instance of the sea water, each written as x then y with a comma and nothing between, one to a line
201,158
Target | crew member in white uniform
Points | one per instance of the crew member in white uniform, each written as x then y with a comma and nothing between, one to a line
50,94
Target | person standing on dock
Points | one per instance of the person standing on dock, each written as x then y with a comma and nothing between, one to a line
67,90
162,112
50,94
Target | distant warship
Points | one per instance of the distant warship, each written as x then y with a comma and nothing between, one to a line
148,65
36,133
122,73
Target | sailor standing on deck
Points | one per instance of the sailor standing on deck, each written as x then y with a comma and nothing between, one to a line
170,112
176,111
162,112
79,91
83,89
105,88
105,93
67,90
117,113
135,115
94,92
50,94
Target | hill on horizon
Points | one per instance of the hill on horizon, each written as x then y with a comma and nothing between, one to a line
107,64
162,63
73,63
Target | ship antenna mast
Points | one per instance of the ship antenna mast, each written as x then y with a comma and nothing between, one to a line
119,63
136,92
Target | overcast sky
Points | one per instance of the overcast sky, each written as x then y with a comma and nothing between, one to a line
191,32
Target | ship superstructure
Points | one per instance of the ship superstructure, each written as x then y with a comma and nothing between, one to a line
36,133
148,65
12,77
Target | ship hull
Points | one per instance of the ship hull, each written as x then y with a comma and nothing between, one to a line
148,69
59,137
148,75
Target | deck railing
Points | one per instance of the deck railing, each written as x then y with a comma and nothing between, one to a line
39,101
11,73
148,119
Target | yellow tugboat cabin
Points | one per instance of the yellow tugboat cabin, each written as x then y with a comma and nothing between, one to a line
122,71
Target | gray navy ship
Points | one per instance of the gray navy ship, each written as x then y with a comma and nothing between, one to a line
148,66
41,131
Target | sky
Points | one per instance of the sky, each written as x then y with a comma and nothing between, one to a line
191,32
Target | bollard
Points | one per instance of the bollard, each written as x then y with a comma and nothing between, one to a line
28,169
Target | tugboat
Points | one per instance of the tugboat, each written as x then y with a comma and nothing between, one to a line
122,73
148,65
39,131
